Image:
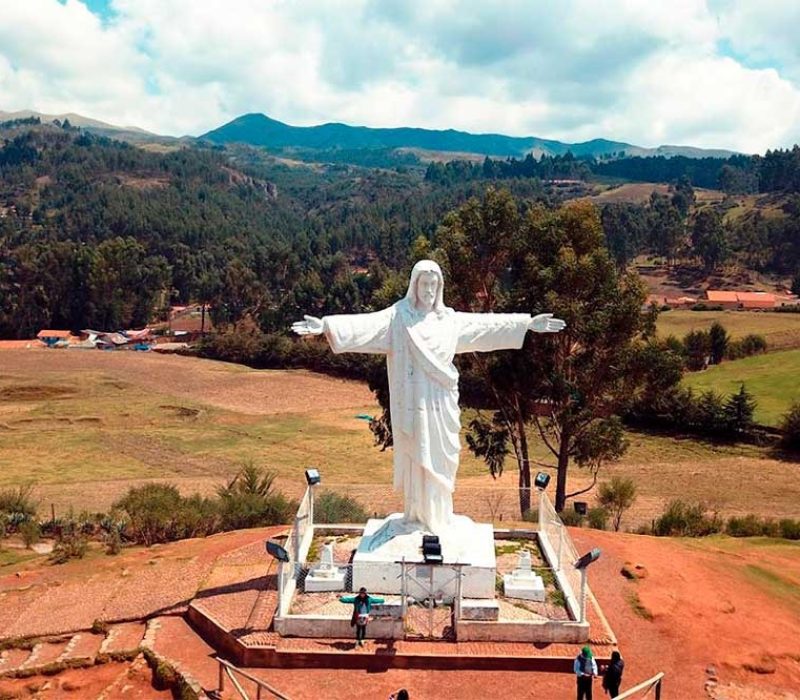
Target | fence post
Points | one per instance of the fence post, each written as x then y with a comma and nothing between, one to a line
542,515
583,595
403,590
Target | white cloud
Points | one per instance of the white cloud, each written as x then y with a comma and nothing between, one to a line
636,71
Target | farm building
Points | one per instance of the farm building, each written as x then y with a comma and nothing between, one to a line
725,299
52,338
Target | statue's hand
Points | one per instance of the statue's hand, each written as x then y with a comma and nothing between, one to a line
545,323
310,325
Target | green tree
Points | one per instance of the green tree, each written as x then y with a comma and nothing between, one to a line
617,496
566,386
718,340
708,238
697,346
739,410
790,427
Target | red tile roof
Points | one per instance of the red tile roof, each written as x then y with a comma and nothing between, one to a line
53,334
718,295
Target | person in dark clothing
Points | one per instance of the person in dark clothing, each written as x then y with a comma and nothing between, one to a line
361,607
585,668
613,675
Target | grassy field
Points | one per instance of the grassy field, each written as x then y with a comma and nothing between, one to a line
771,378
84,427
781,330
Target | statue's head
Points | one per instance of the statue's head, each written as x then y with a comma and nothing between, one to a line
426,287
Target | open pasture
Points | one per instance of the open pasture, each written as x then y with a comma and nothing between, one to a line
771,378
781,330
85,426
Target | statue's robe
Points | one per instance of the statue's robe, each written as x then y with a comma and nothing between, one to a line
423,385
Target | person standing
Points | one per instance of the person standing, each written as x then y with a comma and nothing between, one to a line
361,607
613,675
585,668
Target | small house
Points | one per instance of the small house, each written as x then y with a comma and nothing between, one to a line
54,338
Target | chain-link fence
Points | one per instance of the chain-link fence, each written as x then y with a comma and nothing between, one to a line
562,552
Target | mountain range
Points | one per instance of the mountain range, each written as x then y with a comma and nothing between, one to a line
262,131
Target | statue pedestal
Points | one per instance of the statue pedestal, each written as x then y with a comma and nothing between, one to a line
385,543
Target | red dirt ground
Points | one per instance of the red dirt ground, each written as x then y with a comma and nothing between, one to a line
706,609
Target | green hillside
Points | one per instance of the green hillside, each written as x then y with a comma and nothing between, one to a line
771,378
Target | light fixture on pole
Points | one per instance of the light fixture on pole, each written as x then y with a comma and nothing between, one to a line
541,481
582,564
313,476
276,551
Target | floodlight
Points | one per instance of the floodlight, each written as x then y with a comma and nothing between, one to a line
588,558
277,552
580,507
313,476
431,549
541,481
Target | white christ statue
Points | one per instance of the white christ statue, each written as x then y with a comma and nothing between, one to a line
420,336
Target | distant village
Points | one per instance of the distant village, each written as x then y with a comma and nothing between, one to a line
185,325
725,299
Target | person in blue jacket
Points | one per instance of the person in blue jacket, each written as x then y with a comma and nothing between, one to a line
361,607
585,668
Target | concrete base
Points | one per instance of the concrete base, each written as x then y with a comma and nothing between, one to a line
486,610
533,631
386,543
336,627
524,588
328,582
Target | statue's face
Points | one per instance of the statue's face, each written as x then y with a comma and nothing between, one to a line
427,287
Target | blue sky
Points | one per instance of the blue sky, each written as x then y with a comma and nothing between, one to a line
713,73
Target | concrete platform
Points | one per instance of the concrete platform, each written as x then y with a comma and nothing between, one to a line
387,542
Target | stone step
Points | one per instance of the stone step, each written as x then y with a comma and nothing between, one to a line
82,646
178,642
43,654
123,638
12,659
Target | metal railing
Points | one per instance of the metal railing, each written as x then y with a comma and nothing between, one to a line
645,687
228,670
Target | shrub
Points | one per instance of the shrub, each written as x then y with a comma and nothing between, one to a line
571,518
750,526
616,497
686,520
247,500
790,426
790,529
18,505
72,544
332,507
597,518
531,515
30,532
158,513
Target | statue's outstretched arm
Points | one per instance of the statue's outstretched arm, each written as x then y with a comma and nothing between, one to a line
546,323
310,325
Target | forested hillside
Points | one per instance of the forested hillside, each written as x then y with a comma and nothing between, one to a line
99,233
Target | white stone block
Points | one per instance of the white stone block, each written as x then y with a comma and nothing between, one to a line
480,609
524,587
331,581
